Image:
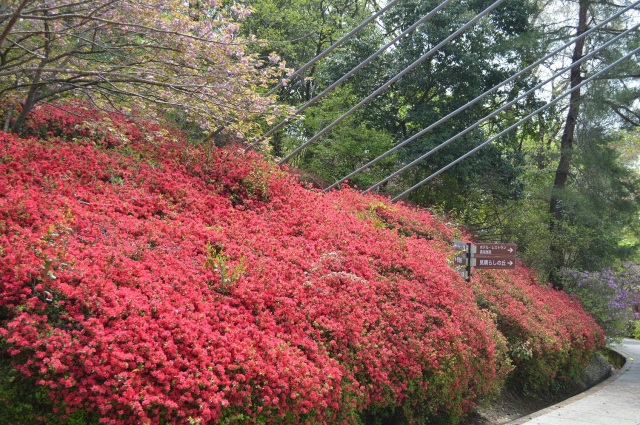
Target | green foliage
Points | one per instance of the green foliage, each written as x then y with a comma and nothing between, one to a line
447,81
599,205
221,265
353,144
633,330
589,177
298,31
22,401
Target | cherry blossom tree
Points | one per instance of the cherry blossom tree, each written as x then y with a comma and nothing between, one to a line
142,56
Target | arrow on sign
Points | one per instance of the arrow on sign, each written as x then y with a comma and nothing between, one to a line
497,249
493,262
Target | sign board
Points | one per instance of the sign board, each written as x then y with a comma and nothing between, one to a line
460,260
493,262
497,249
459,245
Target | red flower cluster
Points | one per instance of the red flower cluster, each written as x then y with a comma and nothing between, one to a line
145,280
550,336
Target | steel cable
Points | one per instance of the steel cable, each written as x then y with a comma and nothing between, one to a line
393,80
357,68
334,45
482,96
528,117
502,108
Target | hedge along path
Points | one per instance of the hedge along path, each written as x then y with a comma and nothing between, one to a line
145,281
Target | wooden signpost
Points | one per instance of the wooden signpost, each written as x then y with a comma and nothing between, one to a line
483,256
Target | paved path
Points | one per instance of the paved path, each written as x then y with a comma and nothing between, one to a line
615,401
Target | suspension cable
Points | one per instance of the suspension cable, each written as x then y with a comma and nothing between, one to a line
357,68
528,117
480,97
502,108
393,80
334,46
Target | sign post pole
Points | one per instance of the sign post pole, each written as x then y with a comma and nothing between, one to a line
468,278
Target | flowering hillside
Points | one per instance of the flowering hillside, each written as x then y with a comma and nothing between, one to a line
144,280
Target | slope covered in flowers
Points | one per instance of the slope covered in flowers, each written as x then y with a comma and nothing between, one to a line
144,280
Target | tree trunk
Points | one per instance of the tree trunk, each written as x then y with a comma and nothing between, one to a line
566,152
36,85
27,106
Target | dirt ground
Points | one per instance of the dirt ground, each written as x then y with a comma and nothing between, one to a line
510,406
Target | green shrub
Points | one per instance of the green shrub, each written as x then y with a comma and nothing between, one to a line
634,329
22,401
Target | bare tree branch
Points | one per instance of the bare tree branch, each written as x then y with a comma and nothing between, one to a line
12,21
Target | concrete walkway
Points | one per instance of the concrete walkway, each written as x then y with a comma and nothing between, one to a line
615,401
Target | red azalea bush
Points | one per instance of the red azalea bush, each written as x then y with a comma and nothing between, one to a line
551,338
144,280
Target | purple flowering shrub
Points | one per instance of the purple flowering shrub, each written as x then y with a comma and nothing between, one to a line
608,295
